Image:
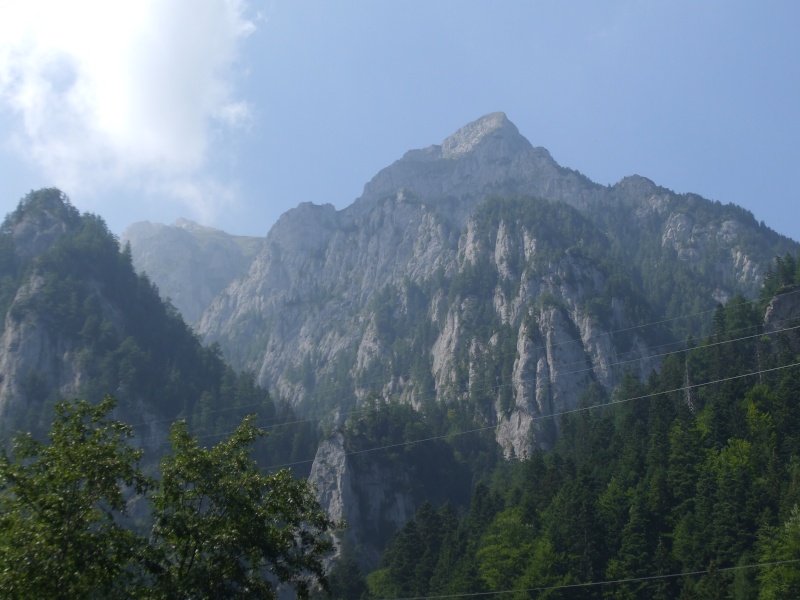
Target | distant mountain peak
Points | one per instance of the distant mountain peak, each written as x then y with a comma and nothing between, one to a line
193,226
468,137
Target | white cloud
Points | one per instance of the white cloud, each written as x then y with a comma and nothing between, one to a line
109,93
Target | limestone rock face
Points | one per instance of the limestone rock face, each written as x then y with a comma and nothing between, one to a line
31,357
476,272
782,309
486,157
305,292
28,347
331,477
781,318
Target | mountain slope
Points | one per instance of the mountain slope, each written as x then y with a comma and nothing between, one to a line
307,315
487,288
78,321
671,492
190,263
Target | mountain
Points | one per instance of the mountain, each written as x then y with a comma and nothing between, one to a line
685,487
483,233
191,263
79,322
483,287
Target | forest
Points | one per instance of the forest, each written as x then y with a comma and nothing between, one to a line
127,340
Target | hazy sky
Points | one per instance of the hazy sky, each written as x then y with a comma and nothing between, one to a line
231,112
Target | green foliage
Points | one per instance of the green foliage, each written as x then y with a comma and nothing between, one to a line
224,529
411,557
780,580
62,506
505,549
220,527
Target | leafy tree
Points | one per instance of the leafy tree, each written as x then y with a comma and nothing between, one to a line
62,503
224,529
220,527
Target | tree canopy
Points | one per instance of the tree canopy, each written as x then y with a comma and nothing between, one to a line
215,526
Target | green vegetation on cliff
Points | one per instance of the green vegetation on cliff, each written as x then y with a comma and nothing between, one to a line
695,470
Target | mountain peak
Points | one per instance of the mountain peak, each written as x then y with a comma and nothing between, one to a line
486,157
50,201
40,218
469,136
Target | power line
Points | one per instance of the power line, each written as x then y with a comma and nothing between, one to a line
567,586
550,416
491,388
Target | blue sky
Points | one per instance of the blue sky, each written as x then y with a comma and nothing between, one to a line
234,112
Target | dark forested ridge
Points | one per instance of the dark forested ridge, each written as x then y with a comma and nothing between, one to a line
79,322
693,471
176,502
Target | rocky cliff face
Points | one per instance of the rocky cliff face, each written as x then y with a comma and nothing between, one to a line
32,359
782,318
78,322
361,493
484,158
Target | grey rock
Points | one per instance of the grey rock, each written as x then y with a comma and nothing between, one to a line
304,312
363,495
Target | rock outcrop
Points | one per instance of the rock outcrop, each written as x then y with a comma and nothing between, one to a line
782,318
370,499
304,315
